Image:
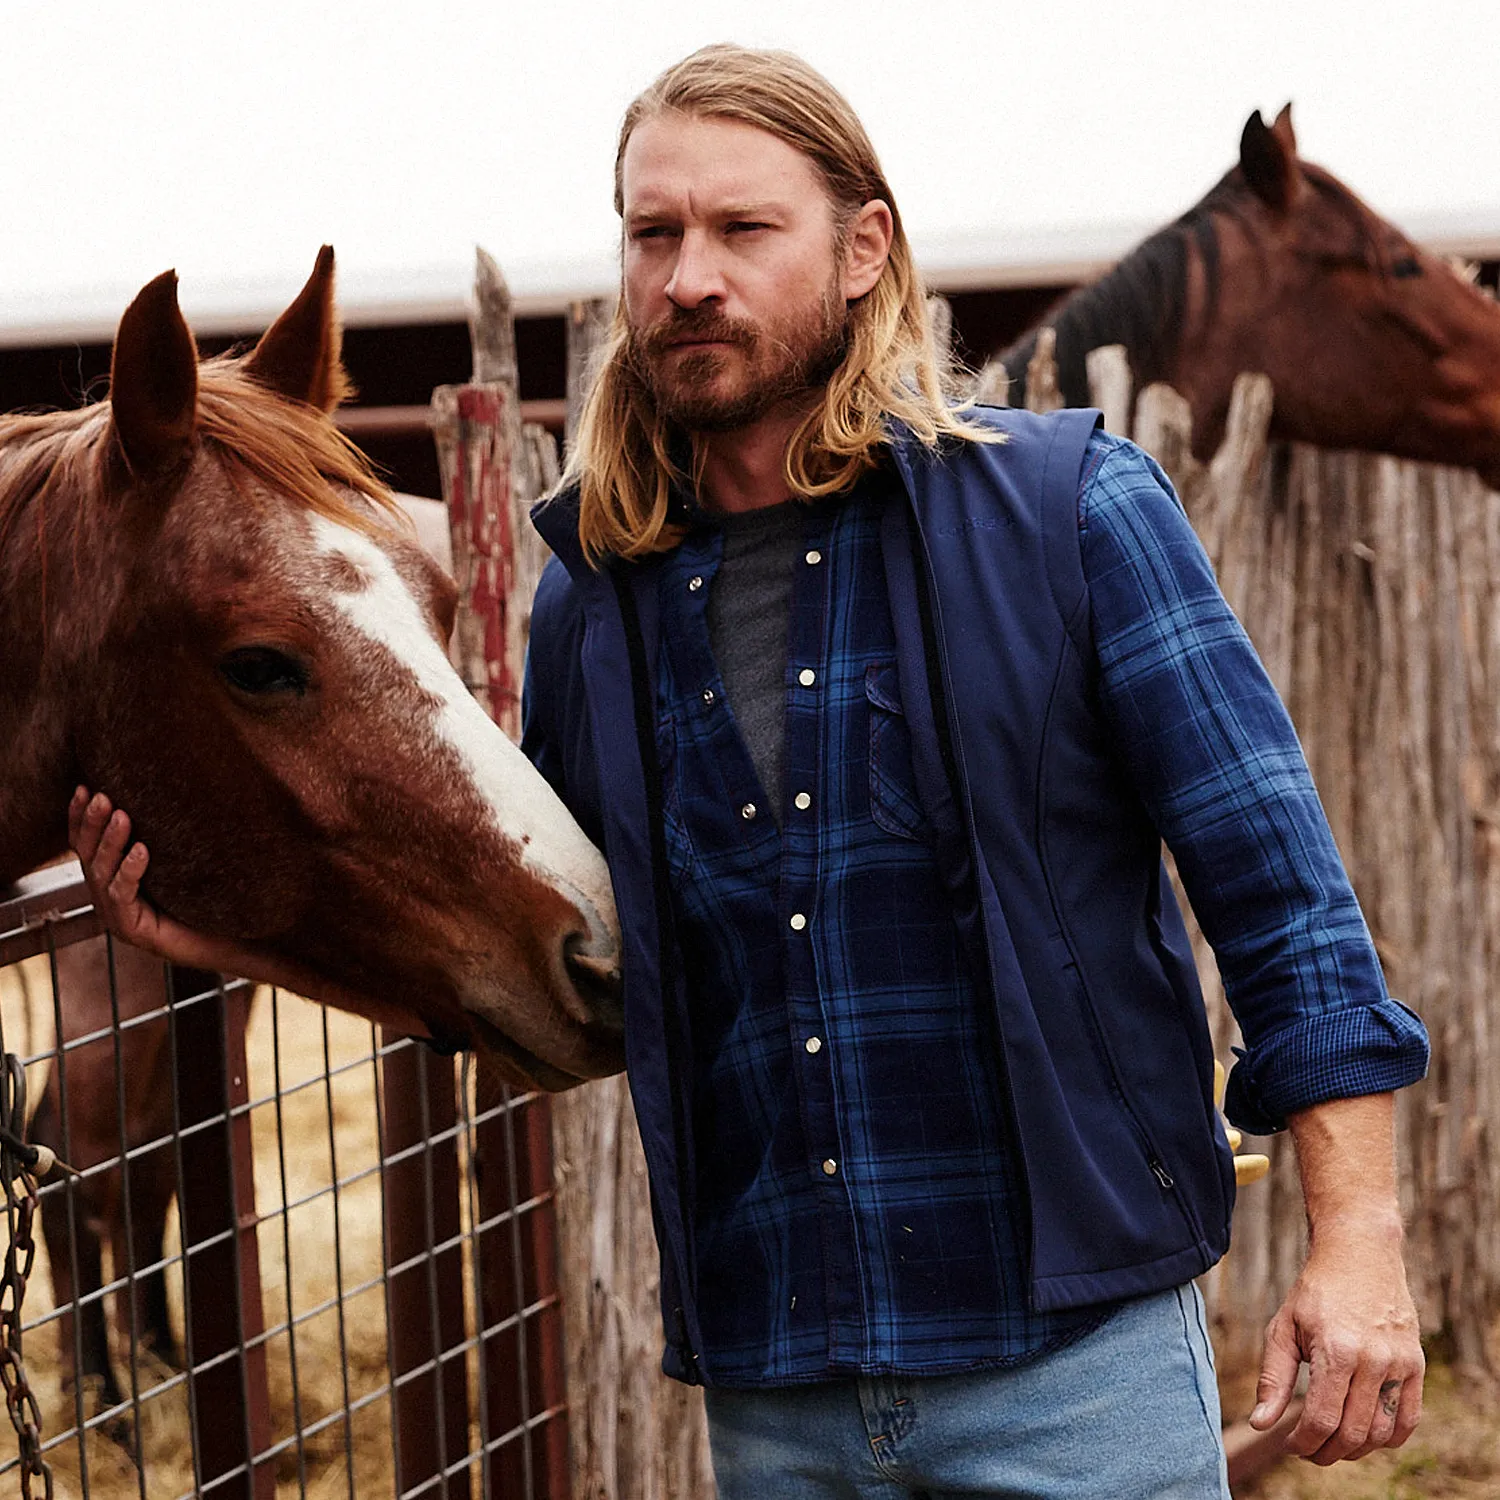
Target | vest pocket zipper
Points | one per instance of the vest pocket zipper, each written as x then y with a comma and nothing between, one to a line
1164,1178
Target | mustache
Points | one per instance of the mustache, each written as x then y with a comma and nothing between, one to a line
705,323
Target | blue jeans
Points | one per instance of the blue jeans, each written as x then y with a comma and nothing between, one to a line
1129,1412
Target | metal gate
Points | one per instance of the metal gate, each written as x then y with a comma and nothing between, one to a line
358,1261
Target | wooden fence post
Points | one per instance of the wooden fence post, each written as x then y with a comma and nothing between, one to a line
424,1290
221,1255
588,328
493,467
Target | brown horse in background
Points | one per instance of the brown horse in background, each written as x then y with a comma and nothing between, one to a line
1369,341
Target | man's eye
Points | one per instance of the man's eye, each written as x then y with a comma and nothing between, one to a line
651,232
744,226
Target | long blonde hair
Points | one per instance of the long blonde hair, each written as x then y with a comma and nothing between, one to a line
625,459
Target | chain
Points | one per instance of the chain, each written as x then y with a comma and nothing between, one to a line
17,1167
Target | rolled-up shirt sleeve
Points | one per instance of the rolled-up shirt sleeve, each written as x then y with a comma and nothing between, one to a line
1213,754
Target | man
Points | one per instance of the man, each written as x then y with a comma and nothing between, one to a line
881,770
881,709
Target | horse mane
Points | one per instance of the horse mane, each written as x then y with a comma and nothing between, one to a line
1139,303
292,448
1142,301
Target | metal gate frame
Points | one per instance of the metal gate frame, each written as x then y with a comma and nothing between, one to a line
516,1343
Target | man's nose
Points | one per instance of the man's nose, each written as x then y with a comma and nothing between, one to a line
697,276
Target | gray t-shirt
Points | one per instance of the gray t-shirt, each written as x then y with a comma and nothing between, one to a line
749,611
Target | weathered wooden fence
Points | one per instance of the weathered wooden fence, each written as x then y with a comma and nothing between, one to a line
493,467
633,1434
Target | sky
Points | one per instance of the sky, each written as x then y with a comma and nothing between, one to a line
230,140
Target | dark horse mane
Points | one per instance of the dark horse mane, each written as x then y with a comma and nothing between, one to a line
1141,302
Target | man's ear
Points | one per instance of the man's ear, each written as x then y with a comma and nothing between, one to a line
867,247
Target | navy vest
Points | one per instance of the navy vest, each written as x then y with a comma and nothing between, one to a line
1053,865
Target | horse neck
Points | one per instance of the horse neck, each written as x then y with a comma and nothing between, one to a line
1142,304
36,772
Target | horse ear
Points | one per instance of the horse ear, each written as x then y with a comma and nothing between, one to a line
299,353
1269,161
153,380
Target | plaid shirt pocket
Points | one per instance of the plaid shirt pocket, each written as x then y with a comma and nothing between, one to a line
679,841
893,796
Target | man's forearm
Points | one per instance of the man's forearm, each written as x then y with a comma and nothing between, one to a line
1346,1154
1350,1315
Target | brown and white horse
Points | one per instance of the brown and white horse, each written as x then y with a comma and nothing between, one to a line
210,613
1370,342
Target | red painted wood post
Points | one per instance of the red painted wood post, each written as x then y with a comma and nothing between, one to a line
490,473
216,1202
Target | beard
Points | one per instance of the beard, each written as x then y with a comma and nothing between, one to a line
721,390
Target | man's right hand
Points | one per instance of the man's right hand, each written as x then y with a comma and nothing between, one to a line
114,867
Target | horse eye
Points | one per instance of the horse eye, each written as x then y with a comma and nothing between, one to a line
261,670
1405,268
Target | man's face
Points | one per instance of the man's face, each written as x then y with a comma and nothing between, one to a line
733,284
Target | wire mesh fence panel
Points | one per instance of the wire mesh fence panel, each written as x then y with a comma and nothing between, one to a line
293,1256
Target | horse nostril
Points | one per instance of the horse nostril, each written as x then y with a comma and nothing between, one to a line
597,981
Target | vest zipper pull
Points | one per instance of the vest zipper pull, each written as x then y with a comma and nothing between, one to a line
1161,1174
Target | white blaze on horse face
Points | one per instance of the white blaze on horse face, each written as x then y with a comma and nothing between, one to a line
523,806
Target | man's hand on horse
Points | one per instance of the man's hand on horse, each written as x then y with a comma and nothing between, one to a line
1350,1315
114,867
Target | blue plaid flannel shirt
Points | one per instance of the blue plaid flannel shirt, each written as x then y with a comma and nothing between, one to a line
858,1207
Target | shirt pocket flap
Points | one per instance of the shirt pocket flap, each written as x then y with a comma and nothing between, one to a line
883,687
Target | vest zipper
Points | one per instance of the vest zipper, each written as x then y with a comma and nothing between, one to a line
1158,1169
